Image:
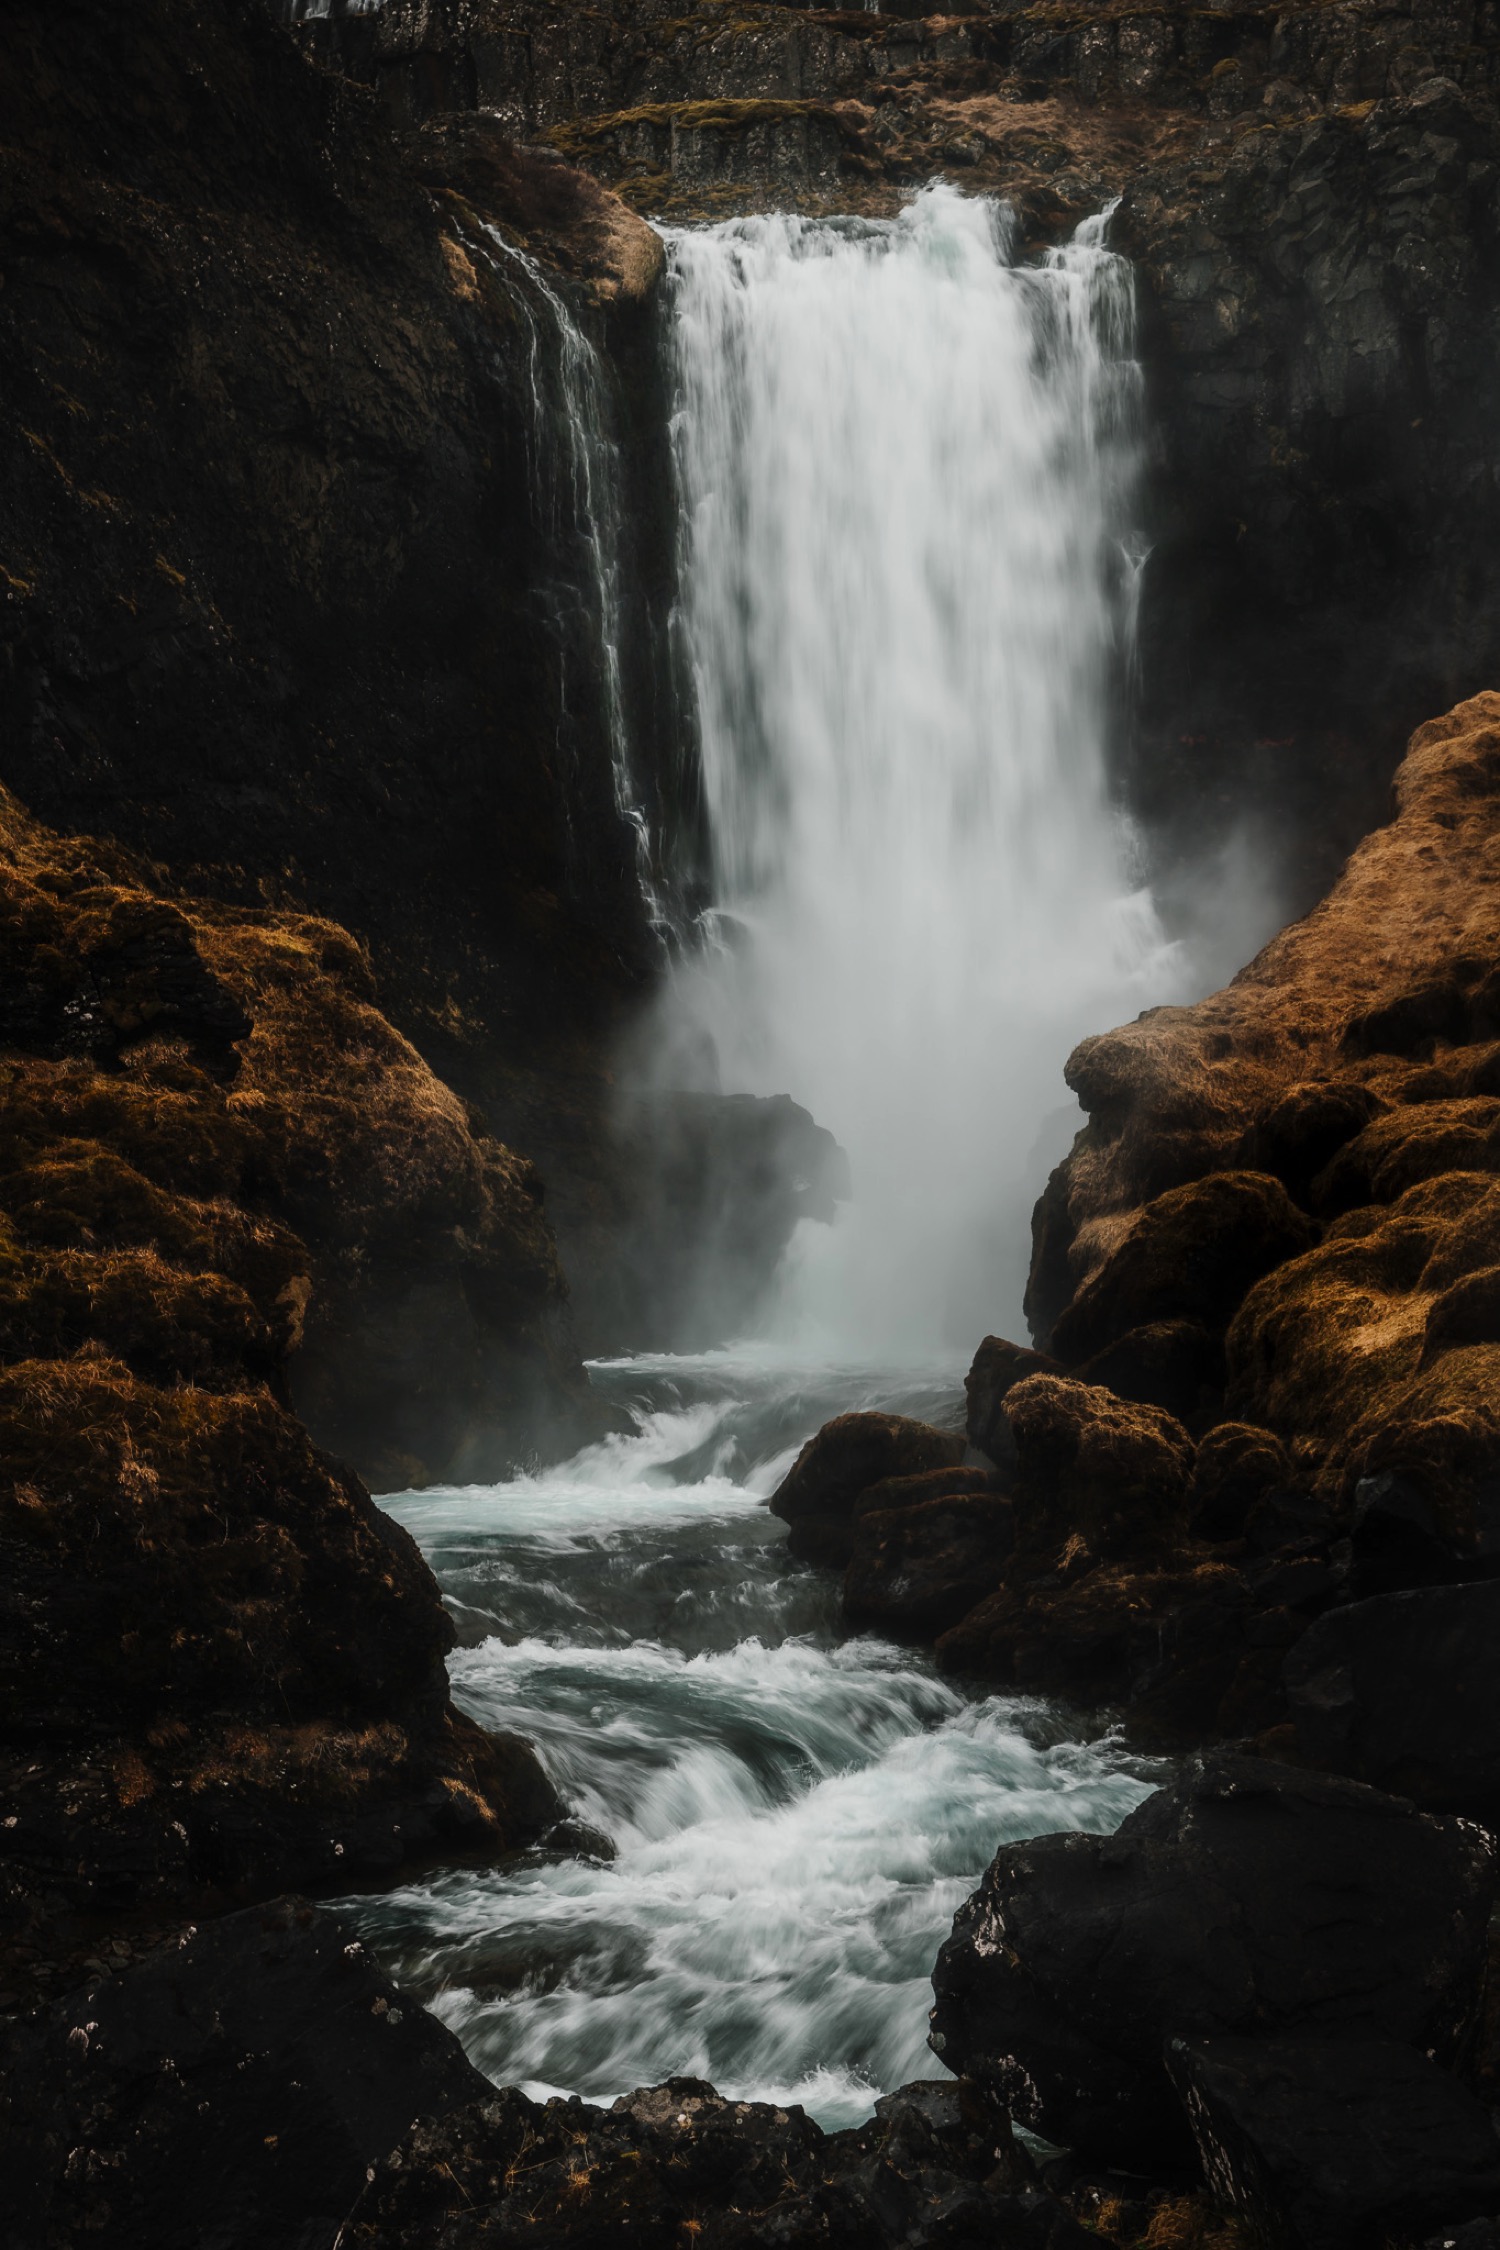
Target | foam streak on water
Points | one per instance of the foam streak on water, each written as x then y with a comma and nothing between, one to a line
907,465
797,1816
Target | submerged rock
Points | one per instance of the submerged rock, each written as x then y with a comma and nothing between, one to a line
1244,1897
1322,2144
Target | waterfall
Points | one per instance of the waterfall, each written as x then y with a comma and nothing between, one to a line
906,467
580,488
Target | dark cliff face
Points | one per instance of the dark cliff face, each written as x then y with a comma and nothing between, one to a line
1309,196
289,589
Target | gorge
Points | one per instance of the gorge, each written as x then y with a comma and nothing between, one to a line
588,789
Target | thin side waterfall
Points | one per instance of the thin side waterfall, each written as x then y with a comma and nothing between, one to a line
906,466
578,477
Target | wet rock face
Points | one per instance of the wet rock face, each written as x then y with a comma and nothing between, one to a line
1208,1913
295,597
223,1665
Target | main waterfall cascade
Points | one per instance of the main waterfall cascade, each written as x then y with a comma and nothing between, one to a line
906,466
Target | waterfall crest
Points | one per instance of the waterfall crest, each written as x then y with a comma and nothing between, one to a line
905,468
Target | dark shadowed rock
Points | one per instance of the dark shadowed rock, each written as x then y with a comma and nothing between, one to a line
1235,1465
1165,1638
1244,1897
929,1484
920,1569
679,2164
998,1367
1177,1365
846,1457
231,2092
1403,1691
1335,2144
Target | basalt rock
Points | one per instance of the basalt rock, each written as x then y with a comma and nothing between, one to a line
1245,1897
1336,2144
1403,1690
234,2089
848,1455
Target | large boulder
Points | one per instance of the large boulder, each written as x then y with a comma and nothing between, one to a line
849,1454
1335,2144
920,1569
1245,1897
1094,1468
1403,1691
232,2090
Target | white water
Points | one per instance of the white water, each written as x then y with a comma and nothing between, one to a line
906,467
797,1816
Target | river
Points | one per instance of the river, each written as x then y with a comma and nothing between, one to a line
796,1813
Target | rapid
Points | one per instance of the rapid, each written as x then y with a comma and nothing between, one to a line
796,1815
